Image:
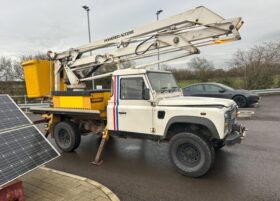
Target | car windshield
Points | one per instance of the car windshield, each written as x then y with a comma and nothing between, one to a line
163,82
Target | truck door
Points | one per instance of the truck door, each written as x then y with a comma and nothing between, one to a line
131,112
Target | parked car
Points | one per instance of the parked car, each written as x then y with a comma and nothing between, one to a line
242,97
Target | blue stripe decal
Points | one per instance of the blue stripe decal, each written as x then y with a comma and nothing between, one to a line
117,107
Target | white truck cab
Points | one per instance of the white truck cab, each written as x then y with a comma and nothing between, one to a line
150,104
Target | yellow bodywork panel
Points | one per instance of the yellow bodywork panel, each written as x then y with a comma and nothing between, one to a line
77,102
38,75
94,100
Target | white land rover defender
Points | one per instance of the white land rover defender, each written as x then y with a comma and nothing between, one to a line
150,104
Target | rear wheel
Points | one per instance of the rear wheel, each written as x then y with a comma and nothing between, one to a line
191,154
241,101
67,136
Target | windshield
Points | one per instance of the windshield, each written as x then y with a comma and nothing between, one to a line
163,82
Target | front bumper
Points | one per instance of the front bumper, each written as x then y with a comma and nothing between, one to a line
237,134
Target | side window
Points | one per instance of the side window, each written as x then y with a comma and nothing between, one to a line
132,88
197,88
212,88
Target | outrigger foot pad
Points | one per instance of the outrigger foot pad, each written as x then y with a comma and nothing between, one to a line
96,162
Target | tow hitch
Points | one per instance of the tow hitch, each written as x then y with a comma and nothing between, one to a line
237,134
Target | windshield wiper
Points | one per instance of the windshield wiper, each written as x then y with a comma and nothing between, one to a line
172,89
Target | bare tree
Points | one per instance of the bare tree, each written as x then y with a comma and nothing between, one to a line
6,69
258,64
17,67
202,67
39,56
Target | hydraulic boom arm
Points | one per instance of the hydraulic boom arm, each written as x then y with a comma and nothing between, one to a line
185,32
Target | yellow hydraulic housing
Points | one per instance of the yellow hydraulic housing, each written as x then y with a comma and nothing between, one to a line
85,100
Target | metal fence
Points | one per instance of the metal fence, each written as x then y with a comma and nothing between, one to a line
25,103
267,91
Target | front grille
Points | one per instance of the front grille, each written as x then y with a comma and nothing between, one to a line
231,118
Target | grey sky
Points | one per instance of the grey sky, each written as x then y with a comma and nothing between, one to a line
31,26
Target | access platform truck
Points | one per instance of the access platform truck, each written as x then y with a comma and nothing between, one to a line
142,102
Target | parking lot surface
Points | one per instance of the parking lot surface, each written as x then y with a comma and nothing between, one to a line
141,169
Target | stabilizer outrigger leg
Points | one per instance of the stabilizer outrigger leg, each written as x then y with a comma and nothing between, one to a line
105,138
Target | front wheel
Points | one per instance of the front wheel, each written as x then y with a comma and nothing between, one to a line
191,154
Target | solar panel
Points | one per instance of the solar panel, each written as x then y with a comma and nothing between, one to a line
10,115
22,146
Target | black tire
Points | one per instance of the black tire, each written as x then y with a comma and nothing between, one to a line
191,154
67,136
241,101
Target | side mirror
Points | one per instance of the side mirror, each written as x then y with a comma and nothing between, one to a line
146,94
222,90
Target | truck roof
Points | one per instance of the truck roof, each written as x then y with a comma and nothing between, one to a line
133,71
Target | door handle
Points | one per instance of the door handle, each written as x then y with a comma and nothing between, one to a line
122,112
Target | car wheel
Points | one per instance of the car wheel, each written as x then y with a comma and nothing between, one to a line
67,136
191,154
241,101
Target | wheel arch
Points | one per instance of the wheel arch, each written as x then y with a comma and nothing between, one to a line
190,120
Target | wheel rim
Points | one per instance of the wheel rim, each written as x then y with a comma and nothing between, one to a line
64,137
188,154
240,101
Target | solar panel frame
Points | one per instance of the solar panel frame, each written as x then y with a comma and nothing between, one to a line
14,174
25,120
18,122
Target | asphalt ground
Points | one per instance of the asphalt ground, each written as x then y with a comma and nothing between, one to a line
141,170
